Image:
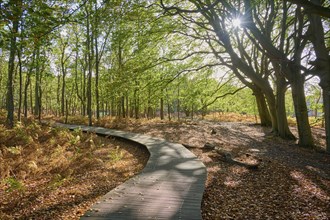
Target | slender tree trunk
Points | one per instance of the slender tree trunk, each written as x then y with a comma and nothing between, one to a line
122,101
37,86
11,66
84,90
97,62
64,72
178,104
31,99
79,95
58,94
136,102
20,85
66,111
96,67
89,82
26,87
40,100
168,106
162,108
127,105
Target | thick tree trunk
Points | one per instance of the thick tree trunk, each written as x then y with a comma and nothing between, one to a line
322,64
326,104
299,100
282,121
272,111
263,111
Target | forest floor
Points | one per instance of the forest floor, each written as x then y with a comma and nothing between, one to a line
289,183
52,173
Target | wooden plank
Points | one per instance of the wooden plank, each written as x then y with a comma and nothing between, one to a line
171,185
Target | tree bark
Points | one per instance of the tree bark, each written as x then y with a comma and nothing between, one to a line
26,87
97,63
161,109
282,121
11,66
322,67
37,85
63,68
263,111
326,103
20,84
89,82
299,100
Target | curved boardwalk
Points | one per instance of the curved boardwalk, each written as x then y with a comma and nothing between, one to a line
170,186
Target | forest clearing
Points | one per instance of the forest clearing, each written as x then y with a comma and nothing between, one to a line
244,85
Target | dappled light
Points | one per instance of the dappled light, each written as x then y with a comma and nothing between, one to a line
55,174
306,188
168,98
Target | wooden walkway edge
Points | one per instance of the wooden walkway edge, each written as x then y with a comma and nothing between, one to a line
170,186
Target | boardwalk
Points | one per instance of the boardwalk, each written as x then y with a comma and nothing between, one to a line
169,187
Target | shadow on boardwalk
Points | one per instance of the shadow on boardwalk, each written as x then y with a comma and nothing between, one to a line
171,185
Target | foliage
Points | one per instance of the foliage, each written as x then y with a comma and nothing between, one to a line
116,154
13,184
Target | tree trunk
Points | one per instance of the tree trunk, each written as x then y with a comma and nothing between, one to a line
282,121
64,71
37,84
326,104
161,109
263,111
89,82
300,106
31,99
136,102
26,87
272,111
168,110
123,106
322,64
20,85
58,93
97,62
127,105
11,65
66,111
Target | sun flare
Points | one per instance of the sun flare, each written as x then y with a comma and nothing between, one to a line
236,22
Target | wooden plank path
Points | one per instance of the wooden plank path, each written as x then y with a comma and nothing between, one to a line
170,186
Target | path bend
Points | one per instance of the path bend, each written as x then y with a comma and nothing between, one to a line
170,186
